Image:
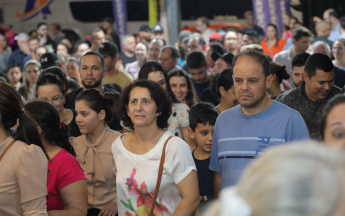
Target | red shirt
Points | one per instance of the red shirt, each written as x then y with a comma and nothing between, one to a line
275,49
64,169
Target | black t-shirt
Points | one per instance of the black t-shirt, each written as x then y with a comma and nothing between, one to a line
200,87
73,127
126,59
205,179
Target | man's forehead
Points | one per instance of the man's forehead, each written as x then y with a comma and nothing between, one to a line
91,60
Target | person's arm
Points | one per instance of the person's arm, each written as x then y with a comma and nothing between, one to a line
74,200
217,184
189,191
109,210
191,142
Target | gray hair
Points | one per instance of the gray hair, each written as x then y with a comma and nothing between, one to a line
21,35
124,38
321,43
302,179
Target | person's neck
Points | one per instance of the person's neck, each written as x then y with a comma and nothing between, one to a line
141,62
275,90
2,49
233,51
201,155
335,24
3,134
50,148
129,53
96,133
63,115
112,72
339,62
263,105
308,93
148,134
222,106
99,88
16,84
31,85
250,26
292,52
94,48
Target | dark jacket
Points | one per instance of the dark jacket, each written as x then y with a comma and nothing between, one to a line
311,111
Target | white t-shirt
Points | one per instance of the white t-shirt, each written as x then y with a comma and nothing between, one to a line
136,176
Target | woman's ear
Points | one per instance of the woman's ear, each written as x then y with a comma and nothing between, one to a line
101,115
39,130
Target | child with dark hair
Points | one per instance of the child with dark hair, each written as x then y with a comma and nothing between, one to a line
202,118
14,75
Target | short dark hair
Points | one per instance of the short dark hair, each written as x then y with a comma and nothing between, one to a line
56,71
204,20
232,30
94,31
223,79
191,95
217,47
258,57
95,100
333,14
50,79
57,26
300,32
158,94
41,24
96,54
33,38
196,59
253,35
174,53
73,83
280,71
300,59
335,101
109,20
152,66
318,61
13,65
202,113
342,22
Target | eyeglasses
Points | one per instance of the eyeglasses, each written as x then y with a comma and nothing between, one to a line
53,100
338,48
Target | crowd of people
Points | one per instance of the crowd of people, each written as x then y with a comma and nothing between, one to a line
132,125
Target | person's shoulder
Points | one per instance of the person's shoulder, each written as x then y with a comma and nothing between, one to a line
180,106
336,90
281,54
114,134
235,111
64,158
292,93
78,140
24,150
177,144
284,108
126,75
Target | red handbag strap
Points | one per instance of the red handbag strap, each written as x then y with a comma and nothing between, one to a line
6,149
159,178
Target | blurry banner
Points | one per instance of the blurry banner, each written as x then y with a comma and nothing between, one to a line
270,11
153,15
120,16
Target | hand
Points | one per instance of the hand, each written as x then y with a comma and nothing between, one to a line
119,65
109,210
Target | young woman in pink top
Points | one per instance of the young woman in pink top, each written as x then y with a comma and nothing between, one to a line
66,182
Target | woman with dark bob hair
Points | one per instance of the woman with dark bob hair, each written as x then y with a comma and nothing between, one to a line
24,164
93,148
67,193
332,123
146,108
179,119
181,86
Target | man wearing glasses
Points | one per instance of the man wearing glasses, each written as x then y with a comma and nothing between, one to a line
154,48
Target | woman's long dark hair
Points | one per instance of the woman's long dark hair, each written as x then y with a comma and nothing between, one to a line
11,110
48,120
152,66
191,96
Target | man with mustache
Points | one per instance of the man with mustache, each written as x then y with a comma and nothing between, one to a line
297,68
317,88
257,123
92,67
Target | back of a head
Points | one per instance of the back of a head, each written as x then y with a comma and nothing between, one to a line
322,25
199,38
202,113
333,14
224,79
253,47
300,59
73,83
280,71
196,59
302,179
300,32
48,120
204,20
217,47
321,47
318,61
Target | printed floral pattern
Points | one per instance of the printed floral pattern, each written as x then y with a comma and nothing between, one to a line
144,201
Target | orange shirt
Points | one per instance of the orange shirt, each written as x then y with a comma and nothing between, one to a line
275,49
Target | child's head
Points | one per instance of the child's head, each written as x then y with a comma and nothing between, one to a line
202,118
14,74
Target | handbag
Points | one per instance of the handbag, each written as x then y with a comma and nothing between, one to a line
6,149
159,178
